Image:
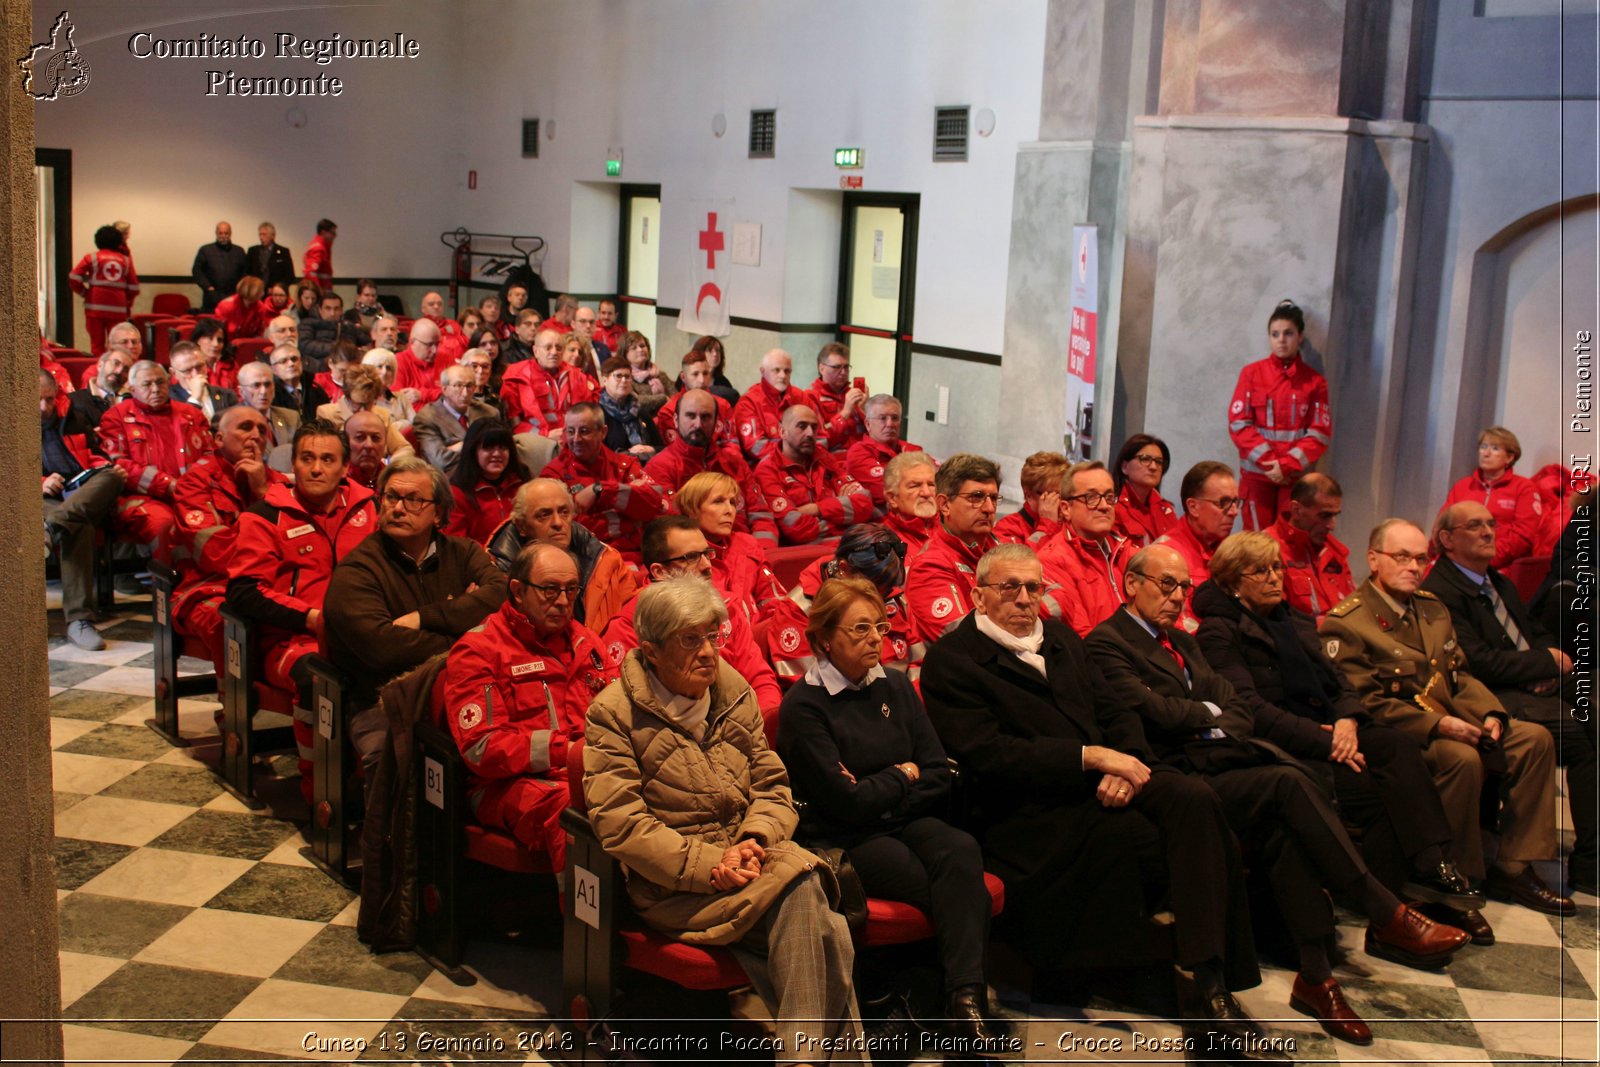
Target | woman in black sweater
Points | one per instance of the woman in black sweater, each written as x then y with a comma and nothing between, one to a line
864,757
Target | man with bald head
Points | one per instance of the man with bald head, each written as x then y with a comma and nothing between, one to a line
517,691
1395,643
452,341
697,448
811,495
154,441
218,267
190,384
536,393
368,435
1519,661
441,426
759,413
611,493
543,512
417,366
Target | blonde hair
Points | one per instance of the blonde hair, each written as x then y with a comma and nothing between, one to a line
836,597
702,487
1042,471
1505,439
1238,553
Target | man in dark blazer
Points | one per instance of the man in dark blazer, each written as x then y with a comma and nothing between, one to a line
190,385
1196,722
441,426
294,387
1520,662
1074,812
270,261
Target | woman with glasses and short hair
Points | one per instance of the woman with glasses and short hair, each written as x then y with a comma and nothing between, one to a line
684,792
875,779
1142,514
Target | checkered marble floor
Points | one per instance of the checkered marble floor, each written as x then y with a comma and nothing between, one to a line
192,930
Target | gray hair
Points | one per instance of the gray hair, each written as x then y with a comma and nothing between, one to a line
442,500
896,468
1380,532
677,604
380,357
1006,553
519,506
883,400
147,366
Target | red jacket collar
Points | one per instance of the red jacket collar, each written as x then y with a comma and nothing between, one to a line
971,552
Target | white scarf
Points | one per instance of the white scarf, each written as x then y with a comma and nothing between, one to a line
1026,648
687,712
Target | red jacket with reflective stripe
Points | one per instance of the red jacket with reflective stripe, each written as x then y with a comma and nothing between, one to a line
530,397
789,485
1023,527
478,514
759,414
1514,502
107,283
740,571
154,445
1280,410
515,701
680,461
1089,575
939,582
284,555
865,460
1143,524
840,429
1313,581
626,500
666,419
786,631
209,500
319,263
241,321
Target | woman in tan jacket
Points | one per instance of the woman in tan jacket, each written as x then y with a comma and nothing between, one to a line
684,792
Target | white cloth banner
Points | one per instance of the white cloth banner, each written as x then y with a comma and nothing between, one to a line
705,298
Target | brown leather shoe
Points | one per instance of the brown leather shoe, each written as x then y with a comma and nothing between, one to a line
1326,1004
1529,890
1412,939
1472,921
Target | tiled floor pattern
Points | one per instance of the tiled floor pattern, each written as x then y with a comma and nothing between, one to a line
193,930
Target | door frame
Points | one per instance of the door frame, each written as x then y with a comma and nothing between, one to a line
627,195
59,160
910,205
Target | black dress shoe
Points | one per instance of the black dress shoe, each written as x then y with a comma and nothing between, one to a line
1443,885
969,1022
1233,1034
1471,921
1529,890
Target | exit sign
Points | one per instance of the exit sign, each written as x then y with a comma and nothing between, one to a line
613,168
848,157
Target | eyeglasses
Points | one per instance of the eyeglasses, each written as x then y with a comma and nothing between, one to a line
1404,558
1263,571
1149,461
836,366
690,642
412,504
1227,503
707,553
550,590
1090,500
862,630
978,499
286,361
1475,524
1010,590
583,431
1166,584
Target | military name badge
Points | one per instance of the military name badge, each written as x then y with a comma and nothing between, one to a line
1333,648
518,670
469,716
942,607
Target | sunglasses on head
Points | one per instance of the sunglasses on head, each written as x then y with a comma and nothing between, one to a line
881,549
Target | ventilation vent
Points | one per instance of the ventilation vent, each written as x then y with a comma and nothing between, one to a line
950,134
530,138
763,134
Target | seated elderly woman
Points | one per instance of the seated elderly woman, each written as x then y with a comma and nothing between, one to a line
684,792
1273,658
870,768
402,406
362,392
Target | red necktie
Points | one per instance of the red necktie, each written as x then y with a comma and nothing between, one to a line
1166,644
463,419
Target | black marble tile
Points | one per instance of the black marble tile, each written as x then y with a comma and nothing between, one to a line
123,742
1578,931
78,861
435,1029
286,892
225,833
1399,1011
1538,970
101,707
63,801
113,926
64,673
336,958
130,630
148,998
166,784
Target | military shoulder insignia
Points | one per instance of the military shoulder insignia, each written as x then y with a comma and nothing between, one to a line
1345,607
1424,594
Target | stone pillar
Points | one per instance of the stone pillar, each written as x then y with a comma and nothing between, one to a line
30,976
1280,164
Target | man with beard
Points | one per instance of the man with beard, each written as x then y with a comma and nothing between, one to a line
910,486
811,496
107,387
613,495
695,374
698,449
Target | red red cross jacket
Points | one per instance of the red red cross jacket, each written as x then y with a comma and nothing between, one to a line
209,500
1313,582
515,701
1514,502
625,496
1182,540
910,529
1280,411
741,573
478,514
530,397
412,373
666,419
1023,527
680,461
939,582
790,485
865,460
319,262
786,631
240,321
107,283
1143,524
284,555
154,445
759,414
840,429
1088,574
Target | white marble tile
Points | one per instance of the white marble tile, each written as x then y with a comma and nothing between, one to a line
133,681
287,853
1587,961
1388,1051
1514,924
303,1007
231,942
81,972
350,914
63,731
115,654
119,820
199,752
54,689
85,1046
230,803
77,773
167,877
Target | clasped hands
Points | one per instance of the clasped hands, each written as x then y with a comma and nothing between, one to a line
1122,775
740,865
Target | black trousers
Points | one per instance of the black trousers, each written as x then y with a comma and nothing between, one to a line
938,868
1281,812
1394,802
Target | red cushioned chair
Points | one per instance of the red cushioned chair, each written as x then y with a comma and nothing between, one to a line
169,304
789,561
244,695
250,349
169,646
1527,574
163,334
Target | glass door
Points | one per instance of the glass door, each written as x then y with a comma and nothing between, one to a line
52,176
877,283
639,260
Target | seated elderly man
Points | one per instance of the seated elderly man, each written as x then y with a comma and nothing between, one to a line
536,393
868,457
1196,722
759,413
910,491
543,512
257,387
282,330
287,547
295,387
441,426
1073,810
80,488
191,386
385,334
1088,558
1040,515
613,495
107,386
127,337
209,498
1519,661
683,791
1395,643
811,496
410,592
153,440
516,694
368,435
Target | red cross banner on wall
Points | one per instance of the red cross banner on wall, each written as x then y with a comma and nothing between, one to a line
705,296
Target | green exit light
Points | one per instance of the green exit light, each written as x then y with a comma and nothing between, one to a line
848,157
613,168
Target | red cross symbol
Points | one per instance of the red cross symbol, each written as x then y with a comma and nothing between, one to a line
711,240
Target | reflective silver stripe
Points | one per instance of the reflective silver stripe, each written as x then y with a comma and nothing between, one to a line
474,755
793,668
1270,420
799,597
1301,456
475,799
1257,452
1238,424
622,499
147,477
1319,437
539,750
201,538
1280,435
